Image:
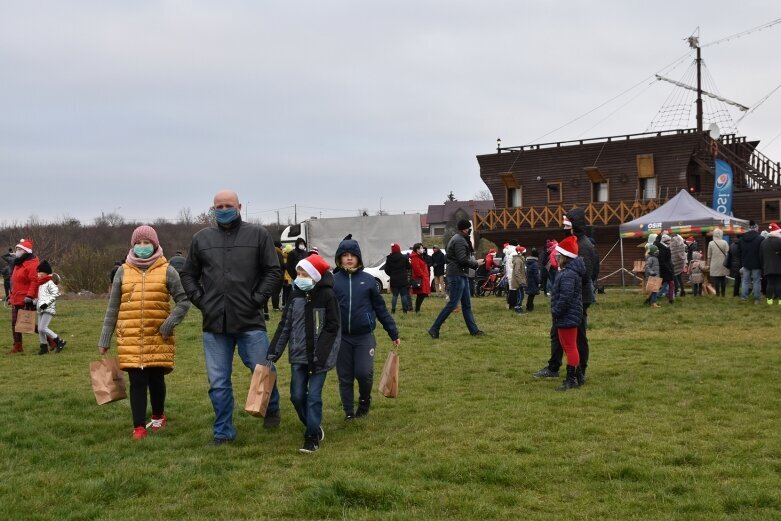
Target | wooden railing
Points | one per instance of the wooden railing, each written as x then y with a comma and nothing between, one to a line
552,216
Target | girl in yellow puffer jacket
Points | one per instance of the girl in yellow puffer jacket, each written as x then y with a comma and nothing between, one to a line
139,310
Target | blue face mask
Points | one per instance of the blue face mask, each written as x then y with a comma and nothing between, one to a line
143,252
304,284
225,215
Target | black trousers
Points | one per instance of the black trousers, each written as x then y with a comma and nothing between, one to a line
152,378
355,362
419,298
530,302
556,351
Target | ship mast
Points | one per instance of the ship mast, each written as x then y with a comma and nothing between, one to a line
694,43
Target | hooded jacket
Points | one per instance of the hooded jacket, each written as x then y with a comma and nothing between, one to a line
360,302
24,279
665,260
718,249
577,217
770,254
229,275
311,327
652,265
678,253
696,275
47,294
397,267
532,276
566,300
295,256
749,250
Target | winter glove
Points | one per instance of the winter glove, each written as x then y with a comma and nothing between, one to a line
44,306
167,328
28,301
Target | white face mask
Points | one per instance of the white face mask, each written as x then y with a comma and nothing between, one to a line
302,247
19,253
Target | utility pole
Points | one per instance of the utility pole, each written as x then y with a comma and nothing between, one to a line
277,217
694,42
295,214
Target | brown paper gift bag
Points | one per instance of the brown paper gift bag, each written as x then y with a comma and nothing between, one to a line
260,389
108,382
25,321
389,381
653,284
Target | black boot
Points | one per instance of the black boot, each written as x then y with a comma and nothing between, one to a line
44,349
60,344
571,381
363,407
580,374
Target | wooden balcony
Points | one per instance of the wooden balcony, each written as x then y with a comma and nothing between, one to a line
534,217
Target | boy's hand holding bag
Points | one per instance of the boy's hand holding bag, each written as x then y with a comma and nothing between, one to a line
108,382
261,386
389,381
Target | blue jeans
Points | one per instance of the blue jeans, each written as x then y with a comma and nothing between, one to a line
458,292
406,303
306,394
218,352
753,276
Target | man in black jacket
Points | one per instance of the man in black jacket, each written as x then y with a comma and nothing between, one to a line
460,259
750,244
438,262
230,273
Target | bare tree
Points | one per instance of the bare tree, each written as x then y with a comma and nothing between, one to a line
112,219
382,212
204,219
185,216
484,195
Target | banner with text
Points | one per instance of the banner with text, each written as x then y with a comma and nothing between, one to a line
722,188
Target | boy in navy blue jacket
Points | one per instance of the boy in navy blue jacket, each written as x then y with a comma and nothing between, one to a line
361,305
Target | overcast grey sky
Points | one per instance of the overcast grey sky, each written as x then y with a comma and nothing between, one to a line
146,107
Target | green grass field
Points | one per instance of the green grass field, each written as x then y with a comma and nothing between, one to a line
679,420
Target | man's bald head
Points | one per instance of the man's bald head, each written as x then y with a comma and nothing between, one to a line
226,199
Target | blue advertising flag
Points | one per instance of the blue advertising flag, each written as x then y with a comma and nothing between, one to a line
722,188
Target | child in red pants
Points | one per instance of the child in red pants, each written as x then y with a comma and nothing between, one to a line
567,306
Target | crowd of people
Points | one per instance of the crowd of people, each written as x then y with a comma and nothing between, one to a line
328,312
752,260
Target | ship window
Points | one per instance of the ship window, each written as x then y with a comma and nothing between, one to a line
554,193
771,210
514,198
645,166
599,192
648,188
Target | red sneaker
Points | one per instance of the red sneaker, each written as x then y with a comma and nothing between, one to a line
139,433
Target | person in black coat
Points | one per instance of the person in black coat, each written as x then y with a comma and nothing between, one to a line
438,262
397,267
666,270
300,251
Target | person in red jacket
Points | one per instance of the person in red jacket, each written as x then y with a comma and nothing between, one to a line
24,286
489,260
420,271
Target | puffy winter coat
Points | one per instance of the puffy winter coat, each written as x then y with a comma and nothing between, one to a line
420,271
518,272
438,262
460,256
718,249
47,294
733,259
651,266
24,279
397,267
143,308
567,296
678,254
586,251
665,261
311,326
532,276
696,275
770,254
359,299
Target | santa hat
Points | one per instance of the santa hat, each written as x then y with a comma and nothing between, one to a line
395,248
567,223
492,251
520,249
773,228
314,265
690,239
568,247
145,232
26,245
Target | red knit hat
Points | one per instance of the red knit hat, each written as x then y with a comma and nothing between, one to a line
568,247
773,228
395,248
145,232
315,266
26,245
